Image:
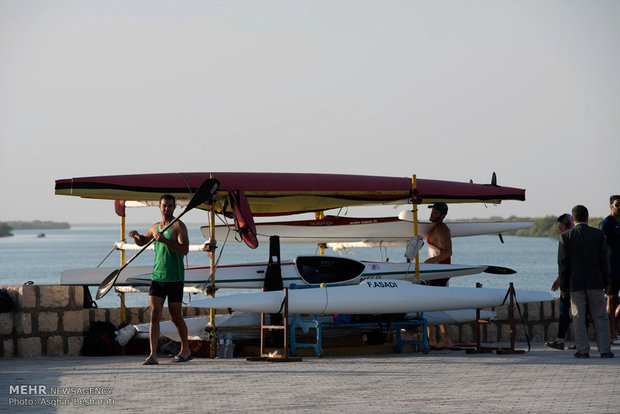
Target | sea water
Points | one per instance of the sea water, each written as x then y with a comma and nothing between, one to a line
24,258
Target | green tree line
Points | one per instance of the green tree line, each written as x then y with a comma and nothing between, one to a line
8,226
5,230
543,226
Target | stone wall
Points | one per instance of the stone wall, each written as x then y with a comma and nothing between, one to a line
49,320
541,324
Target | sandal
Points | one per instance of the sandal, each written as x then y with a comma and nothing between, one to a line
555,345
150,361
179,358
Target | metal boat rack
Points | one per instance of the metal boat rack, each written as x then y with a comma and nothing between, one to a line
479,349
306,324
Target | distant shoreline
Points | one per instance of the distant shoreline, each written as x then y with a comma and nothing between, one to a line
7,226
543,226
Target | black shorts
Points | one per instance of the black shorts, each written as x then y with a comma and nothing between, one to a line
438,282
174,290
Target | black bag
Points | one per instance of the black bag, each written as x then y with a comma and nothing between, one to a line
100,340
6,302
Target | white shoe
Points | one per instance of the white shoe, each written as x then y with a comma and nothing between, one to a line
616,340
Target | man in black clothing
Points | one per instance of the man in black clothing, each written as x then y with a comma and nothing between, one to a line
582,266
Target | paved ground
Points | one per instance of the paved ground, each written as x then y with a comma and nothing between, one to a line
541,381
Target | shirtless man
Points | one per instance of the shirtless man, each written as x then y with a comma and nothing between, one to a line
168,276
439,242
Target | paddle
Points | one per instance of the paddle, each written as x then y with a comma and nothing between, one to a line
204,193
499,270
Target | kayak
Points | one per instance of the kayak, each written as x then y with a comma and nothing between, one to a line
370,296
317,270
332,230
285,193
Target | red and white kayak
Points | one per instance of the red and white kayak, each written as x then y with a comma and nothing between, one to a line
370,296
368,231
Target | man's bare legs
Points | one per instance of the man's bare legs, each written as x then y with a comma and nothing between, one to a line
157,304
176,316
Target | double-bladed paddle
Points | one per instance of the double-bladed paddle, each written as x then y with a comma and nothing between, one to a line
204,193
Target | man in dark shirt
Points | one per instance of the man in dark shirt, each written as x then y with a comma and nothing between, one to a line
611,228
582,266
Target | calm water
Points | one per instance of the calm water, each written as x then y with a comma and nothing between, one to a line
25,257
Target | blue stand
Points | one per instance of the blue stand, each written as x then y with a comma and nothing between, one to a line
306,324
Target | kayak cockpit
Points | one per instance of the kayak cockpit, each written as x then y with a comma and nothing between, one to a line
324,269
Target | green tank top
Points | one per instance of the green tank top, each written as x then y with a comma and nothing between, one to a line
168,265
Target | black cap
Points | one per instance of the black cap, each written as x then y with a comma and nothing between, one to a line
440,206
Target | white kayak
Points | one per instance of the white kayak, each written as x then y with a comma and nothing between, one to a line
371,231
328,270
302,271
370,296
196,325
94,276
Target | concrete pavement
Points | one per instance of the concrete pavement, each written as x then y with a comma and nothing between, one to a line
541,381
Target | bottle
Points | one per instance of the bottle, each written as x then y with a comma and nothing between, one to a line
220,347
228,347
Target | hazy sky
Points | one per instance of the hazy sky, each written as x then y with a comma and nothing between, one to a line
442,89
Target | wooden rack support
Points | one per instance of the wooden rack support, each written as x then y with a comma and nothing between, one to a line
285,357
479,349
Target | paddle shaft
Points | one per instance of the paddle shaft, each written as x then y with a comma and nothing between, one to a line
207,189
151,241
111,279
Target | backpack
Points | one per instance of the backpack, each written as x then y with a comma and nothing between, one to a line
6,302
100,340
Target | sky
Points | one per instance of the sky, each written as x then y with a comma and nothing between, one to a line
450,90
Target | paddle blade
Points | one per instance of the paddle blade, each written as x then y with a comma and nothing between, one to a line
499,270
206,190
244,222
107,284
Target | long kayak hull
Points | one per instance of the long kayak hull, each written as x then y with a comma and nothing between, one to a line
303,271
371,296
286,193
196,325
394,230
316,270
95,275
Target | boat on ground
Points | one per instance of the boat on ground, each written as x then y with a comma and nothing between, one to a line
251,321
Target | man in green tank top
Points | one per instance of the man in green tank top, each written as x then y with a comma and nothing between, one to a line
168,275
